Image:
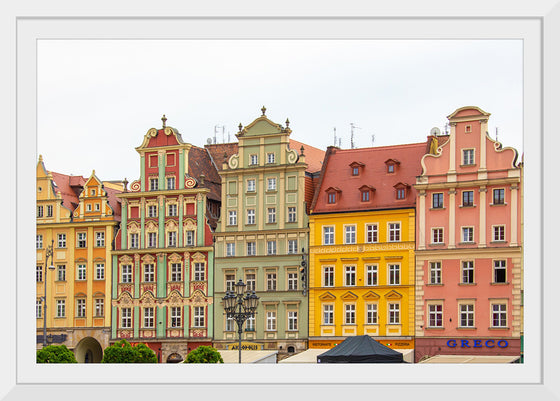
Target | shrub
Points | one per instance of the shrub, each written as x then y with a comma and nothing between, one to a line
204,354
55,354
123,352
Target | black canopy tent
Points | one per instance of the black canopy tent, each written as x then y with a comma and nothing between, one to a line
360,349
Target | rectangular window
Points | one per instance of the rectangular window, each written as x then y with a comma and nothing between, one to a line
437,235
172,238
355,171
39,241
49,210
189,238
152,240
350,234
365,196
292,246
152,211
88,207
271,184
466,318
499,315
176,271
251,248
99,307
149,273
468,234
230,282
350,275
99,239
394,274
97,207
271,247
38,309
199,272
331,197
394,232
498,197
39,274
254,160
62,240
328,314
272,215
437,200
149,318
270,157
126,318
82,243
100,271
170,182
291,215
232,221
292,320
468,157
394,314
172,210
401,193
499,271
230,249
349,314
371,274
81,274
39,211
250,216
229,324
328,235
176,316
153,184
499,233
60,308
199,316
271,281
328,276
126,274
371,233
251,281
61,276
435,315
371,313
250,324
271,320
390,168
251,187
435,272
80,308
468,198
134,240
468,272
292,281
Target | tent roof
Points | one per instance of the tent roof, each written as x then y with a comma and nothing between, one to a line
360,349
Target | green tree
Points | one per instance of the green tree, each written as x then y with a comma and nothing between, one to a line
123,352
55,354
204,354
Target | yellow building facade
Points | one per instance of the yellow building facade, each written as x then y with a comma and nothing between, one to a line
363,285
76,225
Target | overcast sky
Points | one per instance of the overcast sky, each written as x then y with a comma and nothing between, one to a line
98,98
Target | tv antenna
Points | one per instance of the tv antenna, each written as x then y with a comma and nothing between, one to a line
372,139
334,136
496,134
352,126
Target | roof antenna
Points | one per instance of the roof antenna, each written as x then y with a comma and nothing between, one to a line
496,134
340,142
372,139
352,126
334,136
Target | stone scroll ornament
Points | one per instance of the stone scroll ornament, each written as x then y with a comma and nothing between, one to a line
233,162
135,186
190,182
292,156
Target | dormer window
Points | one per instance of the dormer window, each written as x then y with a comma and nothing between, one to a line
392,165
355,168
366,193
401,190
332,195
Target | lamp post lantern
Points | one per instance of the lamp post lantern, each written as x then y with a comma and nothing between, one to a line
48,254
240,306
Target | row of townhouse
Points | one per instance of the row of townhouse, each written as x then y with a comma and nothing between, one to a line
418,245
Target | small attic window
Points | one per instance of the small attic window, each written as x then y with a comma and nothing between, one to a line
392,165
332,195
366,193
468,128
401,190
355,168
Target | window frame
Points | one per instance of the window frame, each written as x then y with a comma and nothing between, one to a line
468,157
470,198
438,235
437,200
435,272
495,269
331,235
467,316
350,272
350,230
372,274
328,276
393,231
435,317
372,316
328,313
393,274
467,266
372,230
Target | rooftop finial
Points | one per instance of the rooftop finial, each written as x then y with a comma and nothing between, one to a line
240,127
301,149
125,183
164,119
263,110
287,123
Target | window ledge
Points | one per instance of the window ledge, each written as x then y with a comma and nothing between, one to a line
467,206
466,284
498,328
506,283
499,242
434,328
434,285
437,244
466,328
467,243
438,208
468,165
498,204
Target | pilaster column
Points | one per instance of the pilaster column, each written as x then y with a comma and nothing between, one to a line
482,217
422,220
452,148
483,130
513,223
124,217
451,227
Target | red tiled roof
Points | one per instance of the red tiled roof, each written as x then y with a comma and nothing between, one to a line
200,163
69,187
114,202
337,173
218,150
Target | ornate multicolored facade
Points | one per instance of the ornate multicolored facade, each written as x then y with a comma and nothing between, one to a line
469,271
163,259
78,217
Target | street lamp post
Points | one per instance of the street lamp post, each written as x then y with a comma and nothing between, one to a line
240,307
48,254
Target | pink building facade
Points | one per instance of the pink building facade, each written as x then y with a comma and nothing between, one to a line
469,273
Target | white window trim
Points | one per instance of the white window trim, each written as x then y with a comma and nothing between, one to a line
396,302
389,273
333,234
366,232
466,302
442,235
345,227
323,276
463,237
494,233
431,303
389,231
463,157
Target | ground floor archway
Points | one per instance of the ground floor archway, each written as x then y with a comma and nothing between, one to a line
88,350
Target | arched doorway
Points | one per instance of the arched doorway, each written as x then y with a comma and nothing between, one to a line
174,358
88,350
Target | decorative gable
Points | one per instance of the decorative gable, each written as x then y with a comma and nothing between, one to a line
371,296
366,193
401,190
349,296
356,168
392,165
333,194
393,295
327,296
